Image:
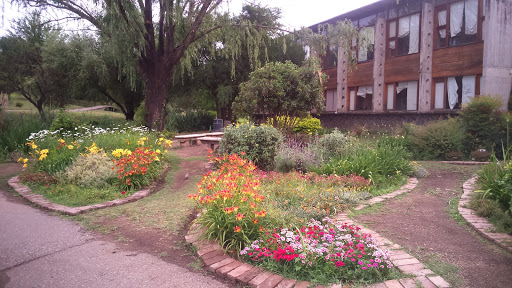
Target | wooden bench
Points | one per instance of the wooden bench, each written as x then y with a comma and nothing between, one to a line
210,140
194,137
191,137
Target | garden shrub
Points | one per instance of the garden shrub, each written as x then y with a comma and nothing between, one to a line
484,123
382,164
189,121
94,170
64,122
308,125
334,145
231,204
495,180
258,143
436,140
295,156
14,131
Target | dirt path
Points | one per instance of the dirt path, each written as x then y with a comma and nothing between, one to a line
420,222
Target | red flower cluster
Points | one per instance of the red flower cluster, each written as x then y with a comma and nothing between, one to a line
136,163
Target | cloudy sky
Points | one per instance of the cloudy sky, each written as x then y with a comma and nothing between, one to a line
295,13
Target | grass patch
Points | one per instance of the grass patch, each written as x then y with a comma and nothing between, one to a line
167,209
196,158
492,211
453,211
448,271
370,210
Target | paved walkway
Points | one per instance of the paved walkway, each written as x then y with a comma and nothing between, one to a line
41,250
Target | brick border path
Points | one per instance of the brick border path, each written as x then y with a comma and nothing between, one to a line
480,224
217,262
39,200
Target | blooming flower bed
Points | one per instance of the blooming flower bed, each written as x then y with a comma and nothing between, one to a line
339,251
242,208
92,165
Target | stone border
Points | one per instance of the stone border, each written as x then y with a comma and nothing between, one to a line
221,264
39,200
480,224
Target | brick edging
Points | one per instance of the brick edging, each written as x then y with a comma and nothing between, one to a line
480,224
219,263
39,200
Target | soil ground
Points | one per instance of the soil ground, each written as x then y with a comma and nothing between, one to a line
421,222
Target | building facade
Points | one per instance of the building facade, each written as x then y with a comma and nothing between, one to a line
424,59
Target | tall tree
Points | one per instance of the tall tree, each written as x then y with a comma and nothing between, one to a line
157,36
22,67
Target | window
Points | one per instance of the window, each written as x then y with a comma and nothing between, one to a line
363,50
452,92
404,35
402,96
361,98
331,100
456,23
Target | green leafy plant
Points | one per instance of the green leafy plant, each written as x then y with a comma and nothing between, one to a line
89,170
64,122
334,144
436,140
496,182
484,123
308,125
294,155
256,143
231,203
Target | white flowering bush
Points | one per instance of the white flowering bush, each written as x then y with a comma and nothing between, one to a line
94,170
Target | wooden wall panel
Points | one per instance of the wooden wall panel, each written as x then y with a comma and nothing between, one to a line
458,61
402,68
331,78
362,75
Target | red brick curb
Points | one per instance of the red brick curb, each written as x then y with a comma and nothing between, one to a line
224,266
480,224
39,200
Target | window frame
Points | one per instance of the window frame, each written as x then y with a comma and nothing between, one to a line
446,7
444,80
355,88
395,38
395,94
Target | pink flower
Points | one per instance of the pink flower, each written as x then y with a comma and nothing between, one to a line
123,192
339,263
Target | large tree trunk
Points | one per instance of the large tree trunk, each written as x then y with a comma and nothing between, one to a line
156,96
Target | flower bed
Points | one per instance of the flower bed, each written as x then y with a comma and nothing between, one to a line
92,165
244,209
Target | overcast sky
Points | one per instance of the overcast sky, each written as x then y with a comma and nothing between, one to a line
295,13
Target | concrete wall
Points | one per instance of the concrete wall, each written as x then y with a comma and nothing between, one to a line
497,62
375,121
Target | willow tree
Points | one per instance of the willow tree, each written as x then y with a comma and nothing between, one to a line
156,38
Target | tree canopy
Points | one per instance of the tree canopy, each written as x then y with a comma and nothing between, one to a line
281,90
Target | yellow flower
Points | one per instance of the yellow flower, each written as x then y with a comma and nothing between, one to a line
42,157
61,141
20,159
44,151
24,165
25,160
70,147
31,144
127,141
158,151
156,158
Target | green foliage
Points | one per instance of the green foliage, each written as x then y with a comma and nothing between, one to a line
232,207
334,145
295,156
495,181
18,104
385,163
15,129
281,89
436,140
493,211
64,122
308,125
259,143
94,170
189,121
484,122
